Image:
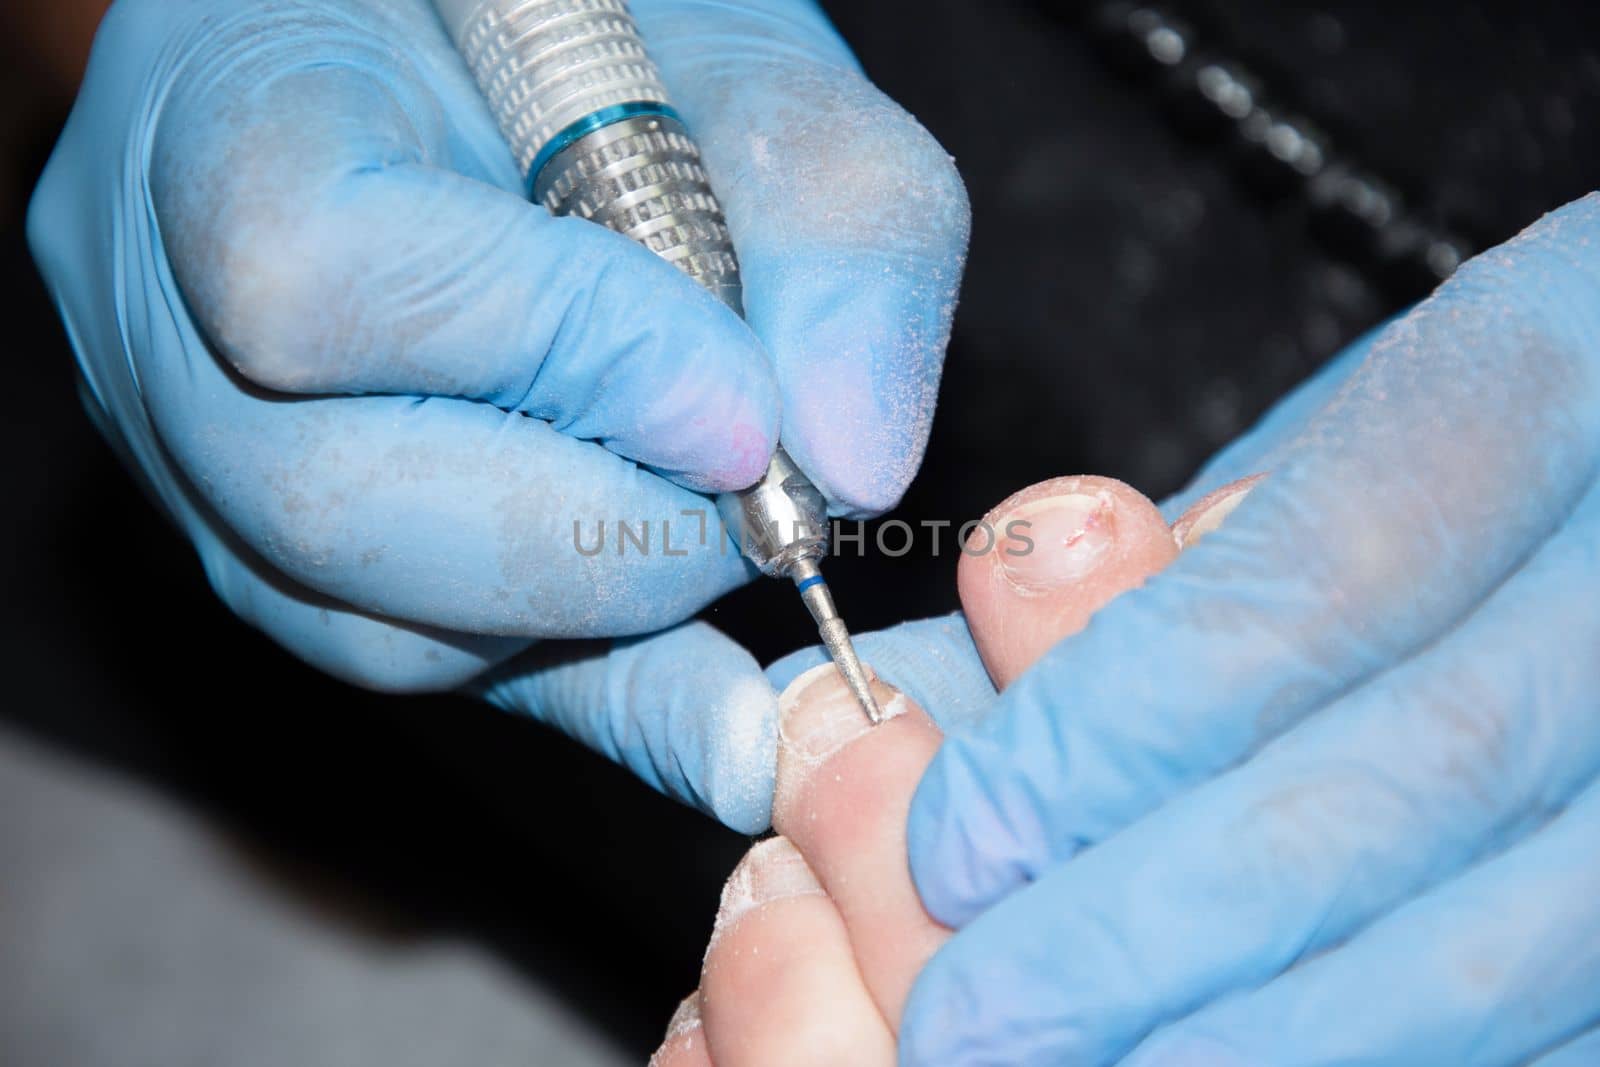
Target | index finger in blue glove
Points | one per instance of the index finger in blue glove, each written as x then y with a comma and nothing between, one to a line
687,710
1464,440
850,221
447,513
1391,790
343,219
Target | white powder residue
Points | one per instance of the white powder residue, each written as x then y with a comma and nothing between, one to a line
687,1018
897,706
772,870
686,1022
744,755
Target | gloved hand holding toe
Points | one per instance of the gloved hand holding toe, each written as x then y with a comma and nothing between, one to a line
1295,801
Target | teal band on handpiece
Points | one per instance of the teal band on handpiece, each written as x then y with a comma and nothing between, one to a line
587,125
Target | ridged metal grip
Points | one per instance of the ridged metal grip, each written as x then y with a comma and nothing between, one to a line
583,108
547,64
642,177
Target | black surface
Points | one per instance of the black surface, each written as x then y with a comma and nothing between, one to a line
1132,303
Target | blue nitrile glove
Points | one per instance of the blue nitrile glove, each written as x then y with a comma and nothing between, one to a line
1323,792
378,389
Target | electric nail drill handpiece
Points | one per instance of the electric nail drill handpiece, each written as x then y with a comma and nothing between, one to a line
583,108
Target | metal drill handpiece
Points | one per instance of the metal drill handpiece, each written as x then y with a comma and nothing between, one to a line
548,66
590,123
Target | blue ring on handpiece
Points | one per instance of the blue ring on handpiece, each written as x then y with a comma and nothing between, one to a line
808,583
606,116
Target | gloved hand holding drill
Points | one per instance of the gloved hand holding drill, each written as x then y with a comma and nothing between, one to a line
376,387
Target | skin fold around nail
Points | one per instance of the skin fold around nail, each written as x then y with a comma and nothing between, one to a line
1062,550
780,985
685,1041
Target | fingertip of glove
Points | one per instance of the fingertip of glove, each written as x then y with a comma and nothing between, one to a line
742,737
716,428
855,462
718,458
927,847
691,391
938,1023
966,849
858,362
696,718
941,861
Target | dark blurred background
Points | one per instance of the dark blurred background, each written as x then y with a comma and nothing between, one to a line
1149,272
